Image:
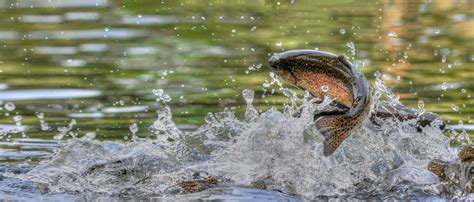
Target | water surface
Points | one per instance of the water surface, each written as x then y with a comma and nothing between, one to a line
71,68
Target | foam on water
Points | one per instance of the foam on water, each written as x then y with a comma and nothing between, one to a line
274,148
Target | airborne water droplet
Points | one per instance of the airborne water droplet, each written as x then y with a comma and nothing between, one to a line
421,104
454,107
392,34
248,95
421,107
133,128
444,86
158,92
342,31
166,98
18,119
443,59
9,106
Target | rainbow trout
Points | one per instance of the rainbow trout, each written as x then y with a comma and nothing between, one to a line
326,74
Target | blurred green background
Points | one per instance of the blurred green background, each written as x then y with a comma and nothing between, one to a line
90,66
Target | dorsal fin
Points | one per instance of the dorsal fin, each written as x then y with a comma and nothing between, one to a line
346,64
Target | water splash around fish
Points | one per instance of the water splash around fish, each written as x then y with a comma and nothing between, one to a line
273,150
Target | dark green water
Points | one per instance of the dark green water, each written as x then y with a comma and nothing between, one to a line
95,63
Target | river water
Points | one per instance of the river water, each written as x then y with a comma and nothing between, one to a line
90,82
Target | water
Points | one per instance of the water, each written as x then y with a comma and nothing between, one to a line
94,68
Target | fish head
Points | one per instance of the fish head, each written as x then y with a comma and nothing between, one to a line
279,62
320,73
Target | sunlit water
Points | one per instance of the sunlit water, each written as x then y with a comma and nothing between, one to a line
93,71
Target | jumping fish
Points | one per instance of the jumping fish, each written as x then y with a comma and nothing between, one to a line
326,74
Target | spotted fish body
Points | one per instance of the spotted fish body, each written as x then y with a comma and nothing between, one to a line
325,74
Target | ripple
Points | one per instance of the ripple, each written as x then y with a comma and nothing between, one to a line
8,35
149,20
73,63
93,47
22,154
50,19
128,109
141,50
48,94
88,34
86,115
3,86
59,3
6,128
82,16
468,127
65,50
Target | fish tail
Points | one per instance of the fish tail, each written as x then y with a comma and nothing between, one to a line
334,130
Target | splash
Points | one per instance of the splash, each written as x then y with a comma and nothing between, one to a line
272,150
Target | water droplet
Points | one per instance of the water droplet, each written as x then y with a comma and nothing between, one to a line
454,107
9,106
444,86
266,84
463,90
377,74
18,119
342,31
443,58
133,128
437,31
166,98
325,88
460,123
40,115
44,126
158,92
248,95
59,136
392,34
209,118
90,135
421,104
435,52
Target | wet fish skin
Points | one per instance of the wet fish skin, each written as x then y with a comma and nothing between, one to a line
313,71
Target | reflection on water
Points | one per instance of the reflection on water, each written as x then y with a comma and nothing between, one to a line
51,94
98,61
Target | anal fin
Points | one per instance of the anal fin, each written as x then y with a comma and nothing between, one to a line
334,134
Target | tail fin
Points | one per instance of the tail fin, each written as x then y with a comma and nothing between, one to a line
335,130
